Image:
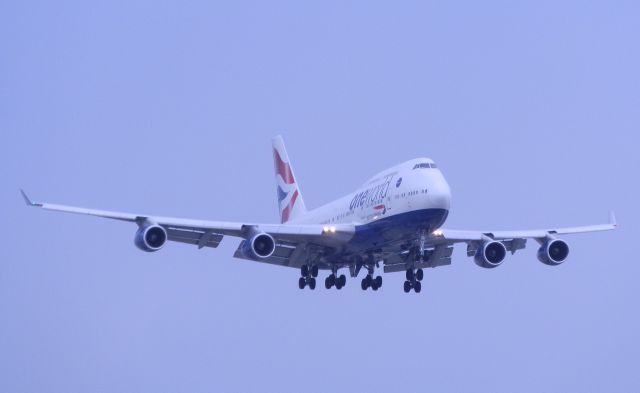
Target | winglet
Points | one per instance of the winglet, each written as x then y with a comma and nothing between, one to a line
612,219
27,200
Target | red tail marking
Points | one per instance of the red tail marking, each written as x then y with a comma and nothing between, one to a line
282,168
287,210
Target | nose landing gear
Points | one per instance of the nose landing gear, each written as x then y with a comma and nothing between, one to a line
415,276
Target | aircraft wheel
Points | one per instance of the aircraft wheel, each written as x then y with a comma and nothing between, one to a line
417,286
330,281
378,281
343,280
304,270
407,286
301,283
419,275
374,285
314,271
312,283
364,284
410,275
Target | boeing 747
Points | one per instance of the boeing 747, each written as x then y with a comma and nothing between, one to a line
394,221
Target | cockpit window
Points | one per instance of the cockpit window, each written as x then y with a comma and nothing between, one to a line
424,165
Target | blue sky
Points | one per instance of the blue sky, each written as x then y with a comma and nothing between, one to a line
529,108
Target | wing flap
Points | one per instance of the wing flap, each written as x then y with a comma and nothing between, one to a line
281,255
438,256
200,238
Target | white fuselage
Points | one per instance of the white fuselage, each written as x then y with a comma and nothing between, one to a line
415,185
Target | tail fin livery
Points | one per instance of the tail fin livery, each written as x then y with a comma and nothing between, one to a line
290,201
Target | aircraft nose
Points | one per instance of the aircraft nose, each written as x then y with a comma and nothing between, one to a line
439,196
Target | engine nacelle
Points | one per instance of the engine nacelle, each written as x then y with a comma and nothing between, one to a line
259,246
150,238
490,254
553,252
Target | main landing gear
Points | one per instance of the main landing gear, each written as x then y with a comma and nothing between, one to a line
309,275
414,276
369,282
334,280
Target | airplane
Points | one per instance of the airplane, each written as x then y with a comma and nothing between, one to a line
394,219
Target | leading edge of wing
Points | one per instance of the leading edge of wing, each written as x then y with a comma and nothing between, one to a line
322,234
464,235
138,218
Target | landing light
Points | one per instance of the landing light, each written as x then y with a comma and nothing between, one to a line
328,229
438,232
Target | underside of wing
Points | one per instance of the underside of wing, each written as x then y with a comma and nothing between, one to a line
488,248
285,254
311,247
199,237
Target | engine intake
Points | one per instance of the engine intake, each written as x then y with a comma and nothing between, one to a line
553,252
259,246
150,238
490,254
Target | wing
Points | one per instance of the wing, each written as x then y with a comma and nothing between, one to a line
294,243
438,246
457,236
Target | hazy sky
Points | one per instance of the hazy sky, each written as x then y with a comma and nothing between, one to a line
531,110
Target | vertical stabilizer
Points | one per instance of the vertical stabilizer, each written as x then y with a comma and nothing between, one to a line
290,203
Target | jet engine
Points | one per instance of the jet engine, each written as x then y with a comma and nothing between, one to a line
553,252
150,238
259,246
490,254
